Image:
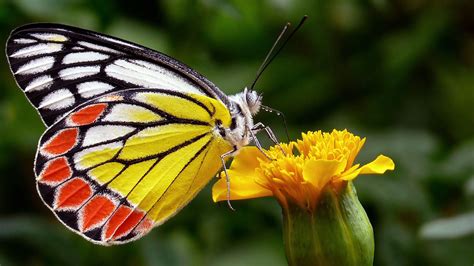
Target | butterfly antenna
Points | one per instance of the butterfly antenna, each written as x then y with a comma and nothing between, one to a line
269,58
262,66
278,113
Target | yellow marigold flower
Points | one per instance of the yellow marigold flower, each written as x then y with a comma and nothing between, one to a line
323,220
299,170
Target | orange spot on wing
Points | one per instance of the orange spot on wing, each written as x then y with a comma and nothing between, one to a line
96,211
126,227
73,194
145,226
88,114
122,222
56,170
61,142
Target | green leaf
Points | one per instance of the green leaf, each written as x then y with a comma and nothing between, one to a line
449,228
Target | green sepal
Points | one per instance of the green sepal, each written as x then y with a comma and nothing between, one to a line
336,232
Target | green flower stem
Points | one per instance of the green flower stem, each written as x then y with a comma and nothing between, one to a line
336,232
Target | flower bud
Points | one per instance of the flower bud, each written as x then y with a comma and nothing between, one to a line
336,232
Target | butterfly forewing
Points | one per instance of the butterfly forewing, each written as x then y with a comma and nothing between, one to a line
59,67
117,165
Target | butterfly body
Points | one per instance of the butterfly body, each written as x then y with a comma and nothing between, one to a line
133,135
243,106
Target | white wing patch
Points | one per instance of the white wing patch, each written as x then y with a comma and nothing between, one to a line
57,100
100,134
141,73
78,72
81,57
51,37
24,41
41,48
93,88
39,83
35,66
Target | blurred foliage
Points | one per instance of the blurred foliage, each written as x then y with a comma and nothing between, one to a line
399,72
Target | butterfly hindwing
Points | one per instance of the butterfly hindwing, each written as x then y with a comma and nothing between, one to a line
118,165
59,67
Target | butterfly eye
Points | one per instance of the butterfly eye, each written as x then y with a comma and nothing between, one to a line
253,101
250,97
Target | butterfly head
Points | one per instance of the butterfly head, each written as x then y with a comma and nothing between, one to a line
243,106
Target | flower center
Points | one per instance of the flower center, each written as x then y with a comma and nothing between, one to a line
284,175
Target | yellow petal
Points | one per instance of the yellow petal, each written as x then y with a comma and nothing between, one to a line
320,172
241,187
245,163
355,152
378,166
350,174
242,176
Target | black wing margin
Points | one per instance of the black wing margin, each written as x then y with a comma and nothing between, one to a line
59,67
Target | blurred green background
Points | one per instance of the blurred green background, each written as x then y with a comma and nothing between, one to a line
399,72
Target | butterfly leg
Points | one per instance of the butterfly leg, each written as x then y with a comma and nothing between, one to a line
260,126
257,143
227,179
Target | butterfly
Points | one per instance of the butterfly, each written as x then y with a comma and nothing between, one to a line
132,135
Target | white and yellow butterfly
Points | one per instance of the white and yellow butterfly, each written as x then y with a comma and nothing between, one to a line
133,135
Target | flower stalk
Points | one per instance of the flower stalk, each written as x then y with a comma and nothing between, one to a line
336,232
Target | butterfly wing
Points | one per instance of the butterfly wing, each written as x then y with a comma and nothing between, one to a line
120,164
59,67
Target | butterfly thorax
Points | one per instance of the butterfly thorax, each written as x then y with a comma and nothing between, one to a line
243,106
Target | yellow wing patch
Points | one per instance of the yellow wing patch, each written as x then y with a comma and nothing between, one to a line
190,181
105,172
175,106
155,183
96,155
219,110
155,140
125,182
131,113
